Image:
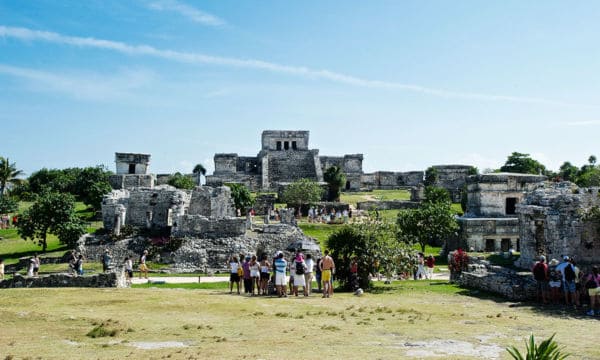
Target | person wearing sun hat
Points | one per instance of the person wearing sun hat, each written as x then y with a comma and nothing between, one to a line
555,281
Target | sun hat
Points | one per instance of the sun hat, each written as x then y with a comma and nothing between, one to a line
553,262
542,258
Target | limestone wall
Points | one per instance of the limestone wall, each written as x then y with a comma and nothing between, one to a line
552,223
61,280
155,207
289,166
124,160
387,205
131,181
489,234
225,163
271,137
519,286
202,227
213,202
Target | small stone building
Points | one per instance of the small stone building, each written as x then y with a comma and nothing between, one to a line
491,222
132,171
553,222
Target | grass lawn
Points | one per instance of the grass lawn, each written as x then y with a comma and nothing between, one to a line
409,319
375,195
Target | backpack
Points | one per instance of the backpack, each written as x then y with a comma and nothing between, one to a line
591,283
299,268
539,273
569,273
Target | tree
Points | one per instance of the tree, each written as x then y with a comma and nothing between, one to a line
568,172
522,163
91,185
335,177
435,194
54,180
181,181
303,191
431,176
371,242
428,223
241,196
52,213
8,174
8,205
592,160
199,171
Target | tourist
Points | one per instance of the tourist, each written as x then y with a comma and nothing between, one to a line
308,274
592,284
15,220
299,268
318,274
578,282
353,279
345,215
555,281
128,270
292,273
1,269
143,266
264,275
31,266
255,275
540,274
430,263
234,276
280,265
311,214
72,261
79,265
246,275
106,260
36,265
420,274
327,270
568,280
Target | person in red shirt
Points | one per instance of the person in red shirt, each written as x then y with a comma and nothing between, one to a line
430,263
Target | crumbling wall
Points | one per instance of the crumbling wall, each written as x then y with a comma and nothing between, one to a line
61,280
213,202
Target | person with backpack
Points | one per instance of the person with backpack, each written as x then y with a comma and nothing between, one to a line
540,274
568,280
299,267
592,284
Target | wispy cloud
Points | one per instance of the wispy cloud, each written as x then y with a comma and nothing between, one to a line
584,123
86,86
305,72
187,11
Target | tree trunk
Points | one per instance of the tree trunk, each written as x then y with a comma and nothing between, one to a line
44,243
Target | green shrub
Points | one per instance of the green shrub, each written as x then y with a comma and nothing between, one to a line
546,350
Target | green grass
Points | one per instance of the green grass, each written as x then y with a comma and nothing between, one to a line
375,195
222,285
318,231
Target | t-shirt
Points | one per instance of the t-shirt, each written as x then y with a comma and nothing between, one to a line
234,267
561,267
280,265
309,265
129,265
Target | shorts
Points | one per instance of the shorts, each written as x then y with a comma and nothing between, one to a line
234,277
542,285
594,292
554,284
143,267
299,280
264,276
130,273
280,279
569,286
326,275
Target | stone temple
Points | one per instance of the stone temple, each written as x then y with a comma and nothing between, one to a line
285,157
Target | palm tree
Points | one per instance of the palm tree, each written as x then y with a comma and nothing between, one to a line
8,174
336,180
199,170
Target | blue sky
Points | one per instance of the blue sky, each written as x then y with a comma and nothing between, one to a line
407,83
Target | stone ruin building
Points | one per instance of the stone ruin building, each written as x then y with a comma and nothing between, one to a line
491,222
553,223
132,171
285,157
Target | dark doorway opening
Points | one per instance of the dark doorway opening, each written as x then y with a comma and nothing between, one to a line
490,245
505,244
279,145
347,185
132,168
286,145
511,206
294,146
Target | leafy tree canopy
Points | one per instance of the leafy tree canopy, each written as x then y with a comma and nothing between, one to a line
374,244
51,213
428,223
435,194
8,205
303,191
431,176
199,170
335,177
241,196
522,163
181,181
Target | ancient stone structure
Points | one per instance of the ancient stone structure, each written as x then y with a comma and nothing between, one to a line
553,223
61,280
453,178
132,171
204,212
491,222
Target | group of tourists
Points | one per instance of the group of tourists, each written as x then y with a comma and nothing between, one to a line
564,282
321,215
5,221
264,277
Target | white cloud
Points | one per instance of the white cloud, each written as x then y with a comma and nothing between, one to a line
187,11
85,86
305,72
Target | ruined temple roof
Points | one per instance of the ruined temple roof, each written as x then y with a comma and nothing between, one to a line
504,177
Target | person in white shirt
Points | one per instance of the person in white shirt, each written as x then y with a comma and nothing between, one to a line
308,274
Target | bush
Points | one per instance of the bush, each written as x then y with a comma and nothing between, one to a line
546,350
